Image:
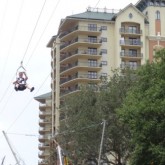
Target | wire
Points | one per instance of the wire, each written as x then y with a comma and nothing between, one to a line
34,30
97,3
44,30
9,49
4,14
4,94
21,134
27,104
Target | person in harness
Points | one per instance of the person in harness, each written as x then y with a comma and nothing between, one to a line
20,83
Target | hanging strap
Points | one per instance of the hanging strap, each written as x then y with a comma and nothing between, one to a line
21,66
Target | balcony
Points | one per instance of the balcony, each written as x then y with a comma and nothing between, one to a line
42,107
43,122
131,42
134,55
86,42
80,30
42,162
86,53
130,66
43,114
43,155
94,66
43,138
43,130
43,146
130,31
71,90
81,77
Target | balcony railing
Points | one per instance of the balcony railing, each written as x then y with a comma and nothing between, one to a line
82,64
81,76
81,28
134,42
131,66
79,52
130,31
70,90
45,113
81,40
130,54
42,162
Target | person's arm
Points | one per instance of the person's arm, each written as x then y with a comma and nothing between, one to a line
15,82
26,77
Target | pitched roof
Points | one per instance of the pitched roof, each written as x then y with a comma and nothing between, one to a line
43,97
93,15
130,5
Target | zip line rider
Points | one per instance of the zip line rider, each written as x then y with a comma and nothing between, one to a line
20,83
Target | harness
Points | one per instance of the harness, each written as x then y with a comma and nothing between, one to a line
21,81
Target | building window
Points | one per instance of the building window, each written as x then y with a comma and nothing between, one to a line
103,74
103,28
157,15
103,51
103,39
130,15
92,27
133,64
134,41
92,75
133,52
103,62
151,3
132,29
92,39
92,63
156,3
92,51
162,3
123,52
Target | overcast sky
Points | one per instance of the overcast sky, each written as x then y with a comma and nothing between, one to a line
26,27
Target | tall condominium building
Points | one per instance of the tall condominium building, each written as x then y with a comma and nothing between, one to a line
89,45
45,128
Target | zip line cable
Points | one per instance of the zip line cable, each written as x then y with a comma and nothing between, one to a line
5,92
3,17
28,103
34,30
11,42
6,103
44,30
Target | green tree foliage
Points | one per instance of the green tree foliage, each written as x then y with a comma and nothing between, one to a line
82,128
144,112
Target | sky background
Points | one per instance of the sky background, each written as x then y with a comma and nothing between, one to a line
26,26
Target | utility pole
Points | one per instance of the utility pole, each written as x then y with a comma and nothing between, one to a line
101,144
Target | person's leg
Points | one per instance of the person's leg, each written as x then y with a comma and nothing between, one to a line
16,87
30,88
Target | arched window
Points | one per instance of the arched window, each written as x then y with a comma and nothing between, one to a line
157,14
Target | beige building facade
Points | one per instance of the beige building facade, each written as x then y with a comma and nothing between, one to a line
89,45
